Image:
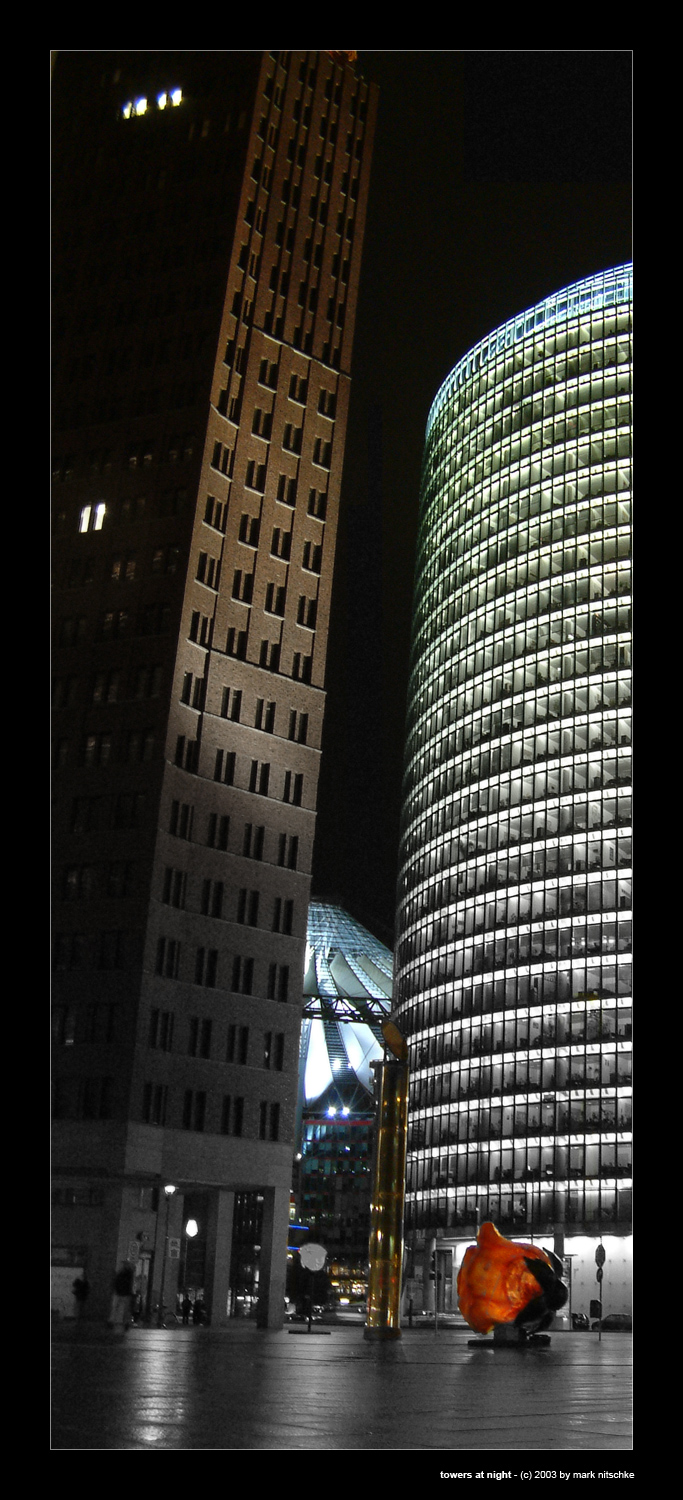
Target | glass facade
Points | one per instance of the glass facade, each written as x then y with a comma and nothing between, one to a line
513,963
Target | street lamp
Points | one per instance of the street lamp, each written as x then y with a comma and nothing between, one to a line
191,1229
169,1191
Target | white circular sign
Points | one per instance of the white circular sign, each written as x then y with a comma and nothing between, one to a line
313,1257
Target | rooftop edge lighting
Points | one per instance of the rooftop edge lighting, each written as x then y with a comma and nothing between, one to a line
604,290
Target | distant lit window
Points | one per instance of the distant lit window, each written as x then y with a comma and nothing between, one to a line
134,107
140,106
92,517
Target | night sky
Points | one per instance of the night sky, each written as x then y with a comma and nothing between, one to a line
497,179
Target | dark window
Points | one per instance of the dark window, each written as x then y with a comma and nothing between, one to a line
237,1044
154,1100
217,832
259,777
206,967
242,975
283,915
288,850
168,958
269,1121
278,982
194,1109
199,1041
247,907
161,1029
232,1115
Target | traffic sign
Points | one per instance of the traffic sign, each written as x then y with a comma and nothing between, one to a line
600,1256
599,1274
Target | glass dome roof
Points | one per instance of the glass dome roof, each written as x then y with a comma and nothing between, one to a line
347,995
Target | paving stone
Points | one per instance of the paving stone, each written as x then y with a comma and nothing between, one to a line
246,1388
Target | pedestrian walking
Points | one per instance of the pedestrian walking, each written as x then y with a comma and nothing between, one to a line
186,1308
122,1299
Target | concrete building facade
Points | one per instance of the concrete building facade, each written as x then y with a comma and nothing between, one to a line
513,960
209,212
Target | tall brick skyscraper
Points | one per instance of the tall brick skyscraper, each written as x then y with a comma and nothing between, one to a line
208,215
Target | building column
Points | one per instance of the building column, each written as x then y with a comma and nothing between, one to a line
107,1251
218,1256
175,1207
273,1263
562,1318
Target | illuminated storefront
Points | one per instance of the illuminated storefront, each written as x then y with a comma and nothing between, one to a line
513,974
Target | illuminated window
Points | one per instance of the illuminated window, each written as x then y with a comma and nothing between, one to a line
92,517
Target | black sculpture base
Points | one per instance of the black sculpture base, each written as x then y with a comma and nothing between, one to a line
509,1336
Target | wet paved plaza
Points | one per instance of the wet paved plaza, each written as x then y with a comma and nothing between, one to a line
244,1388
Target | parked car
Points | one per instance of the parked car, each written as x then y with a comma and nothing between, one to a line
580,1320
300,1314
615,1322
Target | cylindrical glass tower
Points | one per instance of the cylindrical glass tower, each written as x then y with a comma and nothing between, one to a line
513,978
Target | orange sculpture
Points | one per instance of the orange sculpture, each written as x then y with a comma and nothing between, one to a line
501,1282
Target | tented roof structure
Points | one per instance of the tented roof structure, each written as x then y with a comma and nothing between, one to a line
347,995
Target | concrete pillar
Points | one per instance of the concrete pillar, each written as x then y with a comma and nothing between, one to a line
106,1254
273,1263
218,1256
563,1317
175,1228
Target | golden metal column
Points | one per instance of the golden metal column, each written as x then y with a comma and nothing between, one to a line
388,1192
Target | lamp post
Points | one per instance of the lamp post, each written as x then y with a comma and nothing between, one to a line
191,1229
169,1191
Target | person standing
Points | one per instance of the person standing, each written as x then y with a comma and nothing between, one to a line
122,1299
81,1290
